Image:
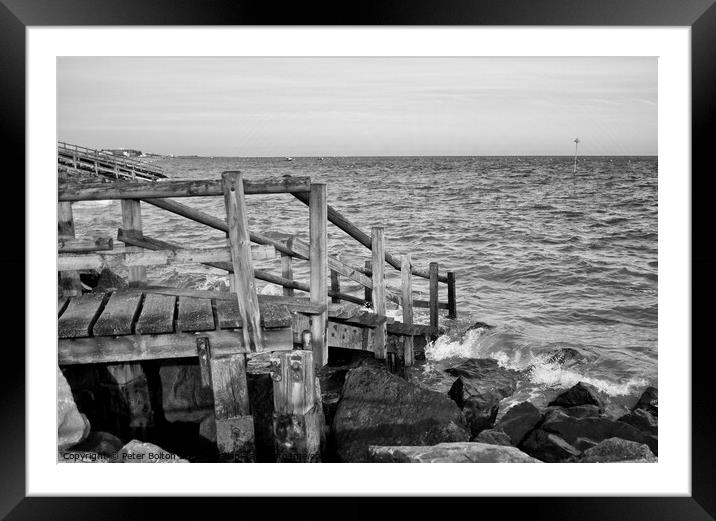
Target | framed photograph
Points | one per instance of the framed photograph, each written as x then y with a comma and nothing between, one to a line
413,236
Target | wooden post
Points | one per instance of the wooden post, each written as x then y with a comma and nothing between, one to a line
70,284
452,304
240,246
287,272
368,293
132,222
234,423
297,419
335,286
318,257
380,334
433,271
407,290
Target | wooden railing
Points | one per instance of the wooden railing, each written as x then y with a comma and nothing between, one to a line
237,257
94,162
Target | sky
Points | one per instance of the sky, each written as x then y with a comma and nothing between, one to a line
243,106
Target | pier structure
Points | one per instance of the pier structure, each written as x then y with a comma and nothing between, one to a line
220,328
89,162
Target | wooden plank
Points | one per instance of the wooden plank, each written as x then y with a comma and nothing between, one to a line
157,314
318,233
452,304
335,286
272,315
132,222
195,314
70,284
287,272
407,289
368,291
398,328
135,347
433,269
82,191
118,314
293,376
347,336
203,353
84,244
243,277
378,264
61,305
78,318
227,314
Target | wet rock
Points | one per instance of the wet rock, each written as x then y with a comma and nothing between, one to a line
101,443
109,280
519,421
579,411
649,401
184,398
467,452
379,408
617,449
579,394
642,420
584,444
595,429
137,452
480,325
493,437
207,428
564,355
548,447
72,425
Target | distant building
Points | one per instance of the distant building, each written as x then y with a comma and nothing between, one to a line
126,152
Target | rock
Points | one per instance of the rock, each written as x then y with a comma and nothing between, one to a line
379,408
72,425
617,449
207,428
137,452
649,401
584,444
595,429
519,421
466,452
98,442
579,394
578,411
184,398
564,354
480,386
108,280
479,325
642,420
548,447
493,437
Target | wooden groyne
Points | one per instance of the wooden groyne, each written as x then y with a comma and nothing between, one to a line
221,327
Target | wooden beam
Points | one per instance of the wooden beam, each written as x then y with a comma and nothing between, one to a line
433,294
407,288
318,256
84,244
238,222
452,303
287,272
81,191
70,284
132,222
368,291
381,335
335,286
421,303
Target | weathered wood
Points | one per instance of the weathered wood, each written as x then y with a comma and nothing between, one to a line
421,303
203,353
398,328
81,191
272,315
130,348
132,222
83,244
287,273
318,233
378,263
335,286
61,305
433,269
70,284
80,315
407,289
368,291
293,374
119,314
452,304
194,315
157,314
348,336
234,423
243,277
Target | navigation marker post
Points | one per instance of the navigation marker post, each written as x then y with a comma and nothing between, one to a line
576,145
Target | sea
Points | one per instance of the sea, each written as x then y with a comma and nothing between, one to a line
556,260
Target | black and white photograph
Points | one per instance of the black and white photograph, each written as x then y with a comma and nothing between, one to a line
357,259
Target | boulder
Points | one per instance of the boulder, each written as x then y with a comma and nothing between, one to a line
466,452
101,443
548,447
493,437
583,444
137,452
379,408
579,411
519,421
563,355
642,420
579,394
617,449
480,325
72,425
184,398
109,280
649,401
480,386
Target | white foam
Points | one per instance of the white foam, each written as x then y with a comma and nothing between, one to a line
468,346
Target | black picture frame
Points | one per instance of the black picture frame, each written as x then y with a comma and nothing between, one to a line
699,15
